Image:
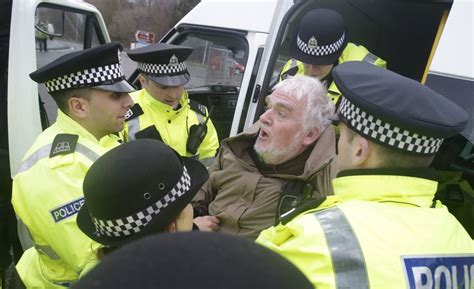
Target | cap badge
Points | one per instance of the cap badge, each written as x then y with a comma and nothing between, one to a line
119,56
173,60
312,43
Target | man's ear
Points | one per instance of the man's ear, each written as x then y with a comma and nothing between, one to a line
78,107
311,136
172,227
361,151
142,80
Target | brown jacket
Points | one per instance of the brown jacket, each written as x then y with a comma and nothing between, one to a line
246,201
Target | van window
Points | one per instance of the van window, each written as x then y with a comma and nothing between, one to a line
59,32
217,65
215,60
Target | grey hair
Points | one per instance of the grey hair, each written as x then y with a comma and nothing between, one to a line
319,107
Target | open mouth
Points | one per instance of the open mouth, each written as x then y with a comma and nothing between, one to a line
263,134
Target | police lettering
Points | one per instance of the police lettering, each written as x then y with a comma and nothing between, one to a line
443,277
67,210
440,272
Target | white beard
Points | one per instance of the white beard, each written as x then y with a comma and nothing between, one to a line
275,156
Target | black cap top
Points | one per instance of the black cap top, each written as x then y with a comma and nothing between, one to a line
320,38
137,189
163,63
97,67
395,111
194,260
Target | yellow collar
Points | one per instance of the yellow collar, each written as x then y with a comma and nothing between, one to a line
161,107
378,188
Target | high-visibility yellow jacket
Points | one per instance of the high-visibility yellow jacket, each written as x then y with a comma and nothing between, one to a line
172,126
377,231
47,194
352,52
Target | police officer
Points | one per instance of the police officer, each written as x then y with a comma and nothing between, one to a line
163,109
382,228
121,207
89,88
319,44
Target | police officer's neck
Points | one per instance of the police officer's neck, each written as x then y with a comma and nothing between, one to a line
92,128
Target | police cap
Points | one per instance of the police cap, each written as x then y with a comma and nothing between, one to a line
137,189
393,110
163,63
99,67
320,38
194,260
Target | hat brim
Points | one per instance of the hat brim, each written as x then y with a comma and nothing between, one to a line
171,80
121,86
199,176
299,55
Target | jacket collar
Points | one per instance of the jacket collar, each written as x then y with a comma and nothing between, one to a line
387,185
162,108
425,173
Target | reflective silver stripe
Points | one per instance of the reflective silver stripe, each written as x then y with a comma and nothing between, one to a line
294,63
348,261
48,251
370,58
24,235
133,128
87,152
200,117
44,152
34,158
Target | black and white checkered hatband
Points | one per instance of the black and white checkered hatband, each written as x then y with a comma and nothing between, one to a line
90,77
386,133
320,50
135,223
162,69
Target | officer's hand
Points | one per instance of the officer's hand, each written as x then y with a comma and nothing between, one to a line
207,223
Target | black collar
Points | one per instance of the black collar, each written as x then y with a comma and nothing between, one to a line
424,173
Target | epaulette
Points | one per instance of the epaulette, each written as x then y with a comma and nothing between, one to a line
149,132
290,72
133,112
197,107
63,144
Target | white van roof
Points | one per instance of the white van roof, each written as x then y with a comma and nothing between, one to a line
247,15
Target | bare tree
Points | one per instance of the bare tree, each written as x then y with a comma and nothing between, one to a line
181,9
124,18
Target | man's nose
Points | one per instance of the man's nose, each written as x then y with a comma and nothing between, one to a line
174,92
265,118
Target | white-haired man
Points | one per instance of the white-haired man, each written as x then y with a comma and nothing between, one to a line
282,163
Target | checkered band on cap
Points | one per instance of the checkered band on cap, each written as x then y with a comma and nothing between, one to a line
386,133
89,77
162,69
320,50
135,223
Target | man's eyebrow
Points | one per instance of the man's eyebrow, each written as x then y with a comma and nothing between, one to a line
279,105
284,106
